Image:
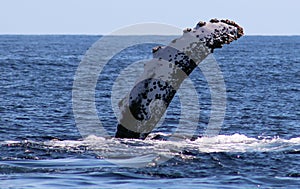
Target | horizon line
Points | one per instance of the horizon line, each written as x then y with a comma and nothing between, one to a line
94,34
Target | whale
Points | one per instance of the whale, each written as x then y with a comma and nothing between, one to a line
142,108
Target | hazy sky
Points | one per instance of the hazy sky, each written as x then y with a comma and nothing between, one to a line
266,17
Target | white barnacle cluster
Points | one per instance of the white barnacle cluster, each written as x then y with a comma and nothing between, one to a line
198,42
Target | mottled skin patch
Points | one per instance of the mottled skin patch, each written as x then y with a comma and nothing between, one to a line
163,76
145,92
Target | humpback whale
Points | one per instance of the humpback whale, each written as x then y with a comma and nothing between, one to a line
154,90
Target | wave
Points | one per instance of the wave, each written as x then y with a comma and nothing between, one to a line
131,148
222,155
136,153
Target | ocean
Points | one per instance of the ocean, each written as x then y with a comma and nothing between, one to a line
42,144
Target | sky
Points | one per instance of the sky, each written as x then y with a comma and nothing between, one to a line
258,17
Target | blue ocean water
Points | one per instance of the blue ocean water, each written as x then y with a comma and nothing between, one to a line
40,146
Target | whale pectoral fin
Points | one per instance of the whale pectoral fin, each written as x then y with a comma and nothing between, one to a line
183,54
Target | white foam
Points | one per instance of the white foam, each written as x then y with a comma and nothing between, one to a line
119,149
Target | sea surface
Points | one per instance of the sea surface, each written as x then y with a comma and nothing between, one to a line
42,146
